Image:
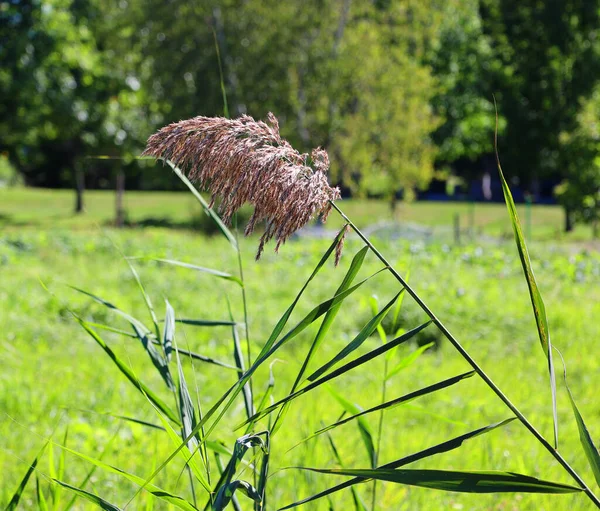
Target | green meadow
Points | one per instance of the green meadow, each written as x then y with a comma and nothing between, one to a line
56,382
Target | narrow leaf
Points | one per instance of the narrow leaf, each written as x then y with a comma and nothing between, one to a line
539,310
363,426
209,211
157,359
201,269
14,501
42,504
408,361
168,331
458,481
205,322
90,497
130,375
446,446
362,336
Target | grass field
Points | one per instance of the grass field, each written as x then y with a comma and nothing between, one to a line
54,375
54,209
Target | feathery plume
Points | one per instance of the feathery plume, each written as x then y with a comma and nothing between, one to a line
243,160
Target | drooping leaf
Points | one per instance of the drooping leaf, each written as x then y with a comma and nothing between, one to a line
90,497
161,494
124,368
157,359
209,211
539,309
226,493
589,448
168,331
458,481
446,446
209,271
205,322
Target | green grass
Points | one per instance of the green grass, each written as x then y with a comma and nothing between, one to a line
54,208
53,373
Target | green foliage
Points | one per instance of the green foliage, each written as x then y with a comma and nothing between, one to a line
579,192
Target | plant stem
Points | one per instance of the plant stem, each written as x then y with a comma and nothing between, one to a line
474,364
379,430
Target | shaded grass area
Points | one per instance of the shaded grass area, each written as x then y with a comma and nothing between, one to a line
54,375
54,208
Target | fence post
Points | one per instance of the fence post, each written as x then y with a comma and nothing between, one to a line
457,228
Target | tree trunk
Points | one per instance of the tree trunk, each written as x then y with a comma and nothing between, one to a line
119,210
79,189
569,223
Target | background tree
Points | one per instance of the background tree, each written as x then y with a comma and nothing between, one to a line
546,62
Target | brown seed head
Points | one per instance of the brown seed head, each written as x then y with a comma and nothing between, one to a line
243,160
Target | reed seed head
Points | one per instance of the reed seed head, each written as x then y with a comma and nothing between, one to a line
242,160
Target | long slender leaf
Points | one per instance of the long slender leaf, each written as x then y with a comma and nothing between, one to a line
227,492
458,481
168,331
589,448
539,309
342,370
14,501
238,357
130,375
145,295
205,322
209,271
133,321
362,336
154,490
408,361
41,500
446,446
395,402
157,359
90,497
363,426
359,505
209,211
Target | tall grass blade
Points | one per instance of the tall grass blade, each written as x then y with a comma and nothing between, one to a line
14,501
209,271
145,295
157,359
363,426
342,370
410,360
589,448
539,309
458,481
209,211
446,446
362,336
90,497
353,270
394,402
238,357
205,322
133,321
186,408
41,500
159,493
359,505
90,473
168,331
128,373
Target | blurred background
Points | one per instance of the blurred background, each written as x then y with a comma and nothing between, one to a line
400,93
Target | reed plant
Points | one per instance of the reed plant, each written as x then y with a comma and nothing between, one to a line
244,161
